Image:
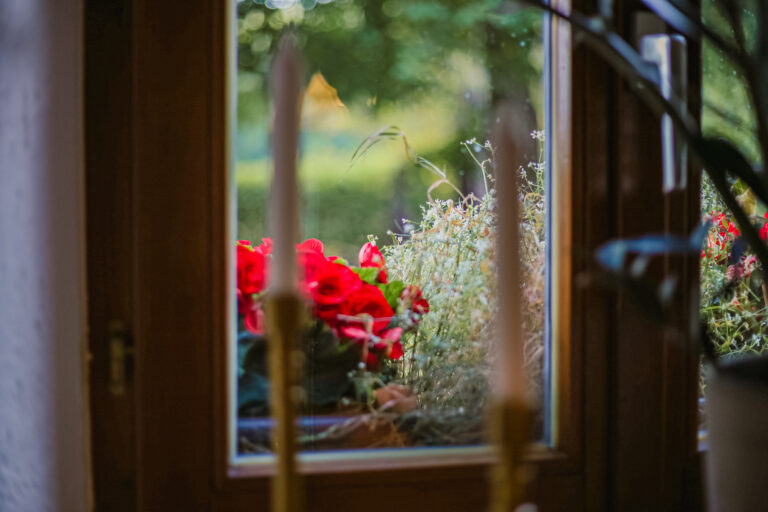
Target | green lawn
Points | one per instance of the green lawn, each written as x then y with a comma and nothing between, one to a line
341,204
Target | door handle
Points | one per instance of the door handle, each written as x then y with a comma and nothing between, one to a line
668,52
120,351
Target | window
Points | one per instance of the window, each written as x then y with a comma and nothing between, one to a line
397,177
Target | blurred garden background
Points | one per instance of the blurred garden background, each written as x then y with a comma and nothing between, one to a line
434,69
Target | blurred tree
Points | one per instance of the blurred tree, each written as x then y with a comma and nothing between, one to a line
449,62
382,52
724,84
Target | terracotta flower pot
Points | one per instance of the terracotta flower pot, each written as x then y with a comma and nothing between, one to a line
737,416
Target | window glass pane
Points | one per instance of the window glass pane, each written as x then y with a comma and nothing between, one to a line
397,182
735,316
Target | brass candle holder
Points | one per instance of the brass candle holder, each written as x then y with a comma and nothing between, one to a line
510,476
283,318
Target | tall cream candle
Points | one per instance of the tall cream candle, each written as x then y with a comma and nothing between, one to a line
509,369
283,307
510,410
284,211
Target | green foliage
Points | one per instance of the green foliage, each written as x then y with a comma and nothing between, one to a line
329,209
367,274
386,49
533,257
733,309
727,110
732,306
392,292
325,370
451,255
437,69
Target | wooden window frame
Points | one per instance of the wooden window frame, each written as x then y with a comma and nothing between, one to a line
158,200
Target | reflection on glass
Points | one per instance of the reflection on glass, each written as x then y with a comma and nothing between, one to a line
397,179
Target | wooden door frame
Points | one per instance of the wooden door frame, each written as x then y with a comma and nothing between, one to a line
158,226
109,243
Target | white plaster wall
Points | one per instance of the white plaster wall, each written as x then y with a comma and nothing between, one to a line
43,439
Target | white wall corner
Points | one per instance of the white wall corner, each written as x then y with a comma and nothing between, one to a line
44,457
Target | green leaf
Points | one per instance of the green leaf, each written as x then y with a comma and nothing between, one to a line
748,202
252,392
341,261
325,371
244,345
254,357
367,274
723,157
392,291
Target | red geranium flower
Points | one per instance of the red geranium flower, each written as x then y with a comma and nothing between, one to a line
372,361
387,345
742,269
764,229
244,302
251,270
396,351
354,332
311,245
355,311
368,303
718,239
390,343
265,247
331,285
417,303
370,256
310,264
254,319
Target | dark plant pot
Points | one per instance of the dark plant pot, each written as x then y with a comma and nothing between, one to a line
737,416
326,432
325,374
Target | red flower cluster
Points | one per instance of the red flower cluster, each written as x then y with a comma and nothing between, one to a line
764,229
357,304
743,269
719,243
370,257
252,271
720,237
